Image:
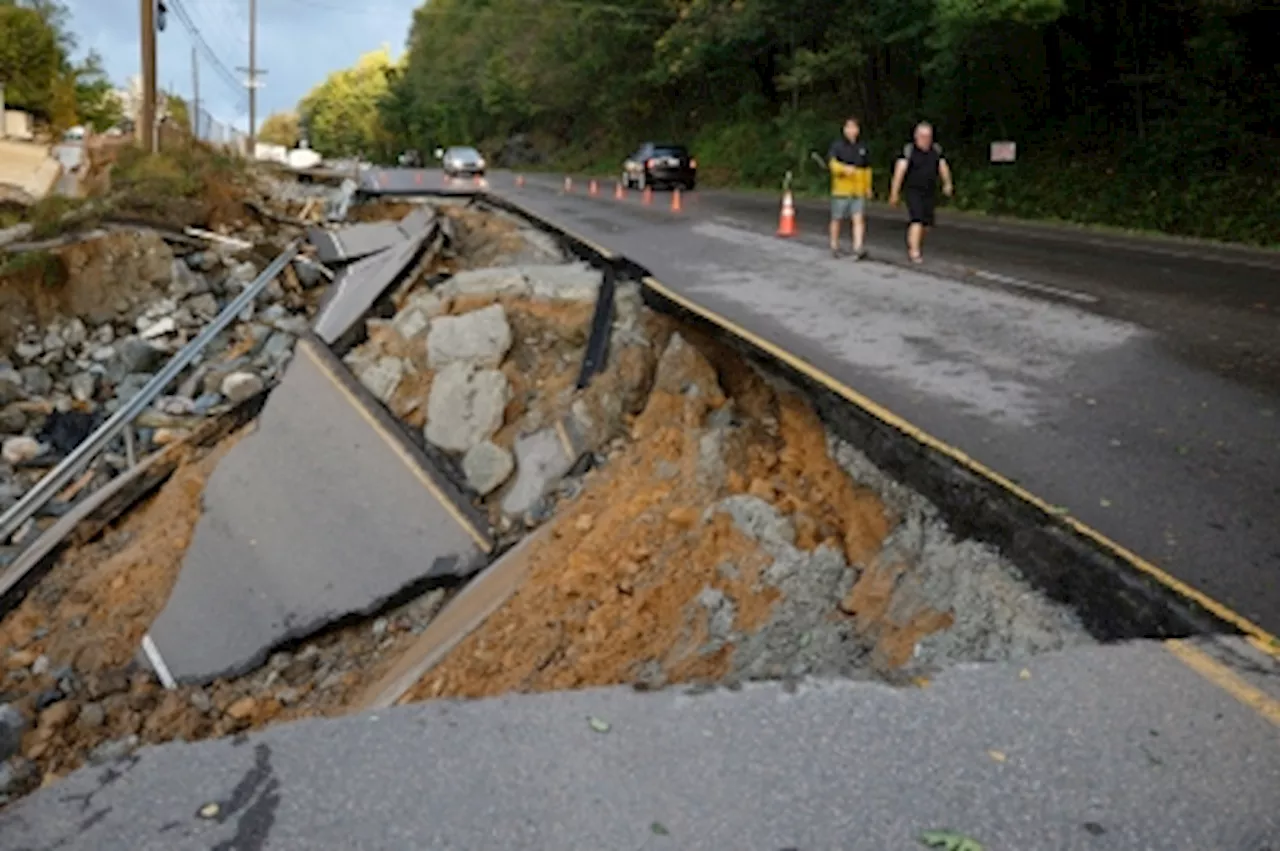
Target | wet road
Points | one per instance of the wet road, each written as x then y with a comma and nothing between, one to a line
1132,382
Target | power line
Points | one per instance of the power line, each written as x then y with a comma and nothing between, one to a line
225,73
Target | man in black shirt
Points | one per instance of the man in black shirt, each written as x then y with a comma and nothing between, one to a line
916,177
850,167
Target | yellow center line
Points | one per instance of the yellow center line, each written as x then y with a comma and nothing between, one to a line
1260,638
397,448
1226,679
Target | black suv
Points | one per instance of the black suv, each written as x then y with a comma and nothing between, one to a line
660,165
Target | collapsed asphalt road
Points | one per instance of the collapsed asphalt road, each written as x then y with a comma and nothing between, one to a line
1101,416
982,738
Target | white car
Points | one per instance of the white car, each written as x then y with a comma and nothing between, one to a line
463,161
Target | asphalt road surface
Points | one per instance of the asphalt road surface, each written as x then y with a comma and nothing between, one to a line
1134,382
1098,749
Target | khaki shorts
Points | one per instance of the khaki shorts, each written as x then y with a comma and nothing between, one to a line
845,207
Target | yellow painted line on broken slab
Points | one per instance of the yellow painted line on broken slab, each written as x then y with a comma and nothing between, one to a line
1226,679
1260,638
397,447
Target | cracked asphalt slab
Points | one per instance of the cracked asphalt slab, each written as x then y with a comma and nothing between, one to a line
1175,458
1117,747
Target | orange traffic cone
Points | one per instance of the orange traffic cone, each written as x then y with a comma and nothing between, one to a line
787,219
568,184
619,192
648,196
675,200
593,188
519,181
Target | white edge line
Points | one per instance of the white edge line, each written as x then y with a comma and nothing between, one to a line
157,662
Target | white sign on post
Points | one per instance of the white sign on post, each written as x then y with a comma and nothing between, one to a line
1004,152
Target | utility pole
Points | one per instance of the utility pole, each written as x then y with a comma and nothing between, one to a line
147,118
195,93
253,71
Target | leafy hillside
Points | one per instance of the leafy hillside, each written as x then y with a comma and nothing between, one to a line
1158,114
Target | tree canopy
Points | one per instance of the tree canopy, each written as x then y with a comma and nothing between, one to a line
39,76
280,128
341,114
1141,101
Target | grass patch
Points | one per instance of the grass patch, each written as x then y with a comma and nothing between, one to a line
43,267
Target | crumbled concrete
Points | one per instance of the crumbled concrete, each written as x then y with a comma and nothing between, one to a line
998,616
239,386
465,406
487,282
382,377
801,637
480,338
540,463
487,466
564,282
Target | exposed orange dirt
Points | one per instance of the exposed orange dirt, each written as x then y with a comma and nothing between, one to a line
613,589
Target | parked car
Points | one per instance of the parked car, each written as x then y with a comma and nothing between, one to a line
655,164
463,161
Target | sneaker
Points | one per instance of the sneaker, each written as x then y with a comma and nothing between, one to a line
860,254
835,252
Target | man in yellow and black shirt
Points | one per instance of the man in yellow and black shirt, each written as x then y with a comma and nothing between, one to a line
850,166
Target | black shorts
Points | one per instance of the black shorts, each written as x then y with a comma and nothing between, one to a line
920,206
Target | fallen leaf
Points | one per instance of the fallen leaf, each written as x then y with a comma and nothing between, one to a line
1024,674
598,724
949,841
998,756
659,829
210,811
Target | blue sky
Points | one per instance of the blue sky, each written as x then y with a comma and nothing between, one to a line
299,42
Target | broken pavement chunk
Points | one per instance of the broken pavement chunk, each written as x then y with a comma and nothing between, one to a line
315,516
354,242
361,284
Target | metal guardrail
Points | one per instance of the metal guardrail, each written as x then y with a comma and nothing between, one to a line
61,475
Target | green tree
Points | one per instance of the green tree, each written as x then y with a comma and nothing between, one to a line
178,112
96,101
30,59
341,113
1145,113
280,128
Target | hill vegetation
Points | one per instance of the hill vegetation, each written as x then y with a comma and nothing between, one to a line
1148,114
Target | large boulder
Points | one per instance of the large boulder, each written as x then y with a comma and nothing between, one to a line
466,406
481,338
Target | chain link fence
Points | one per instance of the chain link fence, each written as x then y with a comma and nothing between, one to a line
209,129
